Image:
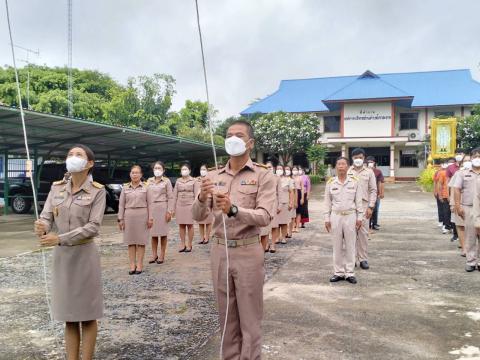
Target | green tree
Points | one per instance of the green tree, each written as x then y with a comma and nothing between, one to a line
468,130
286,133
316,154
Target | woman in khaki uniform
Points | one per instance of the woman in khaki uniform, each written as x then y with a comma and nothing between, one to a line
161,208
265,231
134,218
285,191
204,226
76,207
184,194
300,190
293,211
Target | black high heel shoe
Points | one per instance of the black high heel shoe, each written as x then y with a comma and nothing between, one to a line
132,272
188,250
153,261
183,250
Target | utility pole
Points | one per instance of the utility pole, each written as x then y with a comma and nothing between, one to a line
27,61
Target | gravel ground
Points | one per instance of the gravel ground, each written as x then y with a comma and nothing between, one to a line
168,312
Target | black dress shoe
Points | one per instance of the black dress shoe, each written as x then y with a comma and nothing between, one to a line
376,227
132,272
183,250
188,250
364,265
336,278
351,279
454,238
138,272
470,268
153,261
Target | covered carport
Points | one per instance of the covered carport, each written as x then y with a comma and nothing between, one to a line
50,136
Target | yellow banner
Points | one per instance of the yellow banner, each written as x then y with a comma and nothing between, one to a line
444,138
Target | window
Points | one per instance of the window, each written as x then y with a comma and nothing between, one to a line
444,114
408,121
408,159
331,123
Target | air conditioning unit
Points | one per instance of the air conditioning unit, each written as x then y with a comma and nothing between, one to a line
414,136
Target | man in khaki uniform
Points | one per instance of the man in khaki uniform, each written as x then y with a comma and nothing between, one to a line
476,206
368,184
244,194
343,217
464,185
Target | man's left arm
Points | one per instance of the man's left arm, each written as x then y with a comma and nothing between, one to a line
372,190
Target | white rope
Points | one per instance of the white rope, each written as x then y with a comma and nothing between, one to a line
210,126
29,166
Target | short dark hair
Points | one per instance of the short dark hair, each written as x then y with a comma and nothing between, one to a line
137,166
187,164
250,131
451,159
342,158
358,151
88,152
371,158
475,151
158,163
459,150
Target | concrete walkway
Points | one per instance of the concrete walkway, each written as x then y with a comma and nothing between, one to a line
416,301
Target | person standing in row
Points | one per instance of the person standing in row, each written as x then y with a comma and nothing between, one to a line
300,197
343,218
293,211
266,231
285,191
184,194
307,187
465,184
442,193
457,221
476,205
368,185
243,192
372,164
437,198
76,207
161,200
135,218
205,226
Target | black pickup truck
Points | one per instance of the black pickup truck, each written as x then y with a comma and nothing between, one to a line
20,190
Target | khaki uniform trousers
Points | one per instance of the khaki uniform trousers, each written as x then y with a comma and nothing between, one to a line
243,334
344,236
471,237
362,237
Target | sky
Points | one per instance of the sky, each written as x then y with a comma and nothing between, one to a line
250,45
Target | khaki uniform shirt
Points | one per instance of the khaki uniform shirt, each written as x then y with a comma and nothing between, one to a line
76,216
285,187
343,197
252,190
133,198
161,191
476,203
368,184
465,181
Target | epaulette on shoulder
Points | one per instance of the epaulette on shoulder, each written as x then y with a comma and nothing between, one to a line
214,168
97,185
354,177
60,182
151,179
146,183
126,184
261,165
330,180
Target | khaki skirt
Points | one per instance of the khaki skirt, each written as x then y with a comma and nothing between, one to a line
283,217
158,212
136,231
207,221
77,290
183,214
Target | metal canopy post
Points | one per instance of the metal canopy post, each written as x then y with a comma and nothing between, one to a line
6,184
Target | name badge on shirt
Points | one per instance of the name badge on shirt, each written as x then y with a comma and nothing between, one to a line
220,183
334,188
84,197
248,182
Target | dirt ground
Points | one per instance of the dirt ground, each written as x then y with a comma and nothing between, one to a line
416,301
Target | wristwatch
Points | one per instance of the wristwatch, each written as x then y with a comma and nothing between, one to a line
233,211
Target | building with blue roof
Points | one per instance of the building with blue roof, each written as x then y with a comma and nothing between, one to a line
387,114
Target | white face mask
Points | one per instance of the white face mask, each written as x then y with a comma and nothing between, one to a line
467,165
476,162
458,158
300,172
444,166
75,164
203,172
185,172
279,172
288,172
371,165
235,146
295,172
158,173
358,162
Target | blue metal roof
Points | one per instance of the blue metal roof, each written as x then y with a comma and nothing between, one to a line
429,88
